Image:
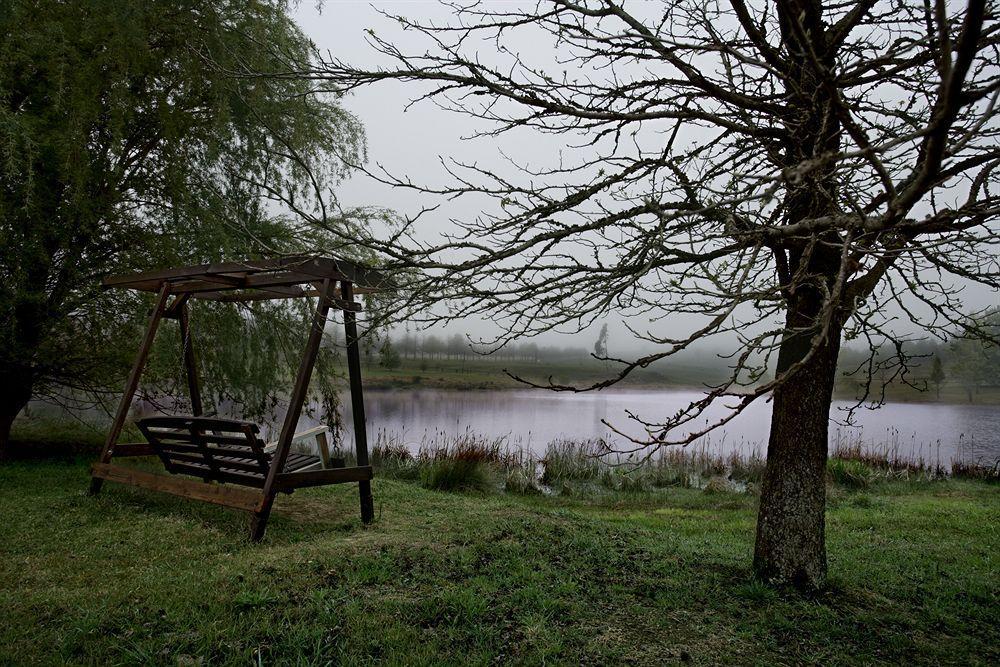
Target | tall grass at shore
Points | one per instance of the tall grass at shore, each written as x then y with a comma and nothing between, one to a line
473,462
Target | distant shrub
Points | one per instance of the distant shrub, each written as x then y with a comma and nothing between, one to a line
471,447
850,474
889,459
470,461
718,484
749,469
521,481
390,453
715,466
404,470
662,476
393,459
633,482
976,470
609,479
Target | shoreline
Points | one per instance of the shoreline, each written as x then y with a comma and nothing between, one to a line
992,398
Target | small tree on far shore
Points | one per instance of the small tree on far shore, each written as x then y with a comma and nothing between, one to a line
601,344
937,376
388,356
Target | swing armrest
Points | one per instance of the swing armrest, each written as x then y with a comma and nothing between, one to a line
319,432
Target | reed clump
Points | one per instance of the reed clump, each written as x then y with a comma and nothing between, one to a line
973,463
978,469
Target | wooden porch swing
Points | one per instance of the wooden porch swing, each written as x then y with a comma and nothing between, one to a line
236,468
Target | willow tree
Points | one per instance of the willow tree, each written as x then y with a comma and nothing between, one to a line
131,139
792,173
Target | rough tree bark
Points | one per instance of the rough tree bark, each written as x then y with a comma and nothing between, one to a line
5,424
29,311
790,546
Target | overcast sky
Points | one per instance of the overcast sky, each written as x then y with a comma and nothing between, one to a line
412,142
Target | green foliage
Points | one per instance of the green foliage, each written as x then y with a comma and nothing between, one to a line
975,357
141,135
633,482
521,479
567,460
983,470
395,461
718,484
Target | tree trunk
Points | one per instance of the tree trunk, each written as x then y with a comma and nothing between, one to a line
5,424
14,396
791,521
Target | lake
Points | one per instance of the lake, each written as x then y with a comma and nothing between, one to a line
534,418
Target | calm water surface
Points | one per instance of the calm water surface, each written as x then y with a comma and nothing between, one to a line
534,418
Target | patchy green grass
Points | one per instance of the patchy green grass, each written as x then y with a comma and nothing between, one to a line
449,578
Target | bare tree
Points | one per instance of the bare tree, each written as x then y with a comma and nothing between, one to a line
601,345
793,174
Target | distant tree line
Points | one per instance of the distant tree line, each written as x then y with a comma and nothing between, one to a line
959,361
458,346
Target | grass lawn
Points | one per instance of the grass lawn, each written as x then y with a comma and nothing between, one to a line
652,578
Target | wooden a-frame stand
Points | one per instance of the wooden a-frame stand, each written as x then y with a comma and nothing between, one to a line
334,282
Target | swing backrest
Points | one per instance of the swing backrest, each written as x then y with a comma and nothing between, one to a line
223,450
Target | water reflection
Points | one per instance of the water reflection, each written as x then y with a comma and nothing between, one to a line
534,418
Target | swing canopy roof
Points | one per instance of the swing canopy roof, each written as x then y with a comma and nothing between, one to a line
252,280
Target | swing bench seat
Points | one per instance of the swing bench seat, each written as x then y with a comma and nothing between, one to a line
226,451
219,450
